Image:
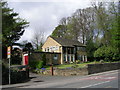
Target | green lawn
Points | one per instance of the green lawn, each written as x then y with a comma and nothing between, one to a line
81,65
62,66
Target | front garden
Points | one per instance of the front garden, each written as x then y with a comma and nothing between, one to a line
39,67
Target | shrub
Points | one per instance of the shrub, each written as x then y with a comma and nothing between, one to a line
78,61
74,66
36,64
107,53
16,76
44,59
33,64
101,61
5,73
71,62
39,64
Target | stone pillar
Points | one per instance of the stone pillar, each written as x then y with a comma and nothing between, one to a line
85,58
66,55
73,58
61,55
70,57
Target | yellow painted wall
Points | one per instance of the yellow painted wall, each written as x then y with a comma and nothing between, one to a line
50,43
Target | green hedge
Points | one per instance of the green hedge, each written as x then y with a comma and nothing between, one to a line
36,64
16,76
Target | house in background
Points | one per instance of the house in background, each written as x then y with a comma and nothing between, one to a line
69,50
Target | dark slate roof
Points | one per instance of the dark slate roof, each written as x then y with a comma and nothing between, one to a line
67,42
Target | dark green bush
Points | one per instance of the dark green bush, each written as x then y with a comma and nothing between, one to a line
36,64
5,73
107,53
16,76
33,64
39,64
44,59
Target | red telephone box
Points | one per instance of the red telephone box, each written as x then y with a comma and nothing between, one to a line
25,59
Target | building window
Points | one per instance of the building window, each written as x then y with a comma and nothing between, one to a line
81,48
72,50
55,57
68,58
47,49
64,57
64,50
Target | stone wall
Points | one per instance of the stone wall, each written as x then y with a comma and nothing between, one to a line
96,68
68,72
71,71
90,69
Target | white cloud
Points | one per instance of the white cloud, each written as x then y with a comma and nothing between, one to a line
45,14
62,0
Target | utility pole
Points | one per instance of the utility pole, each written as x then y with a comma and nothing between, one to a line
9,57
9,72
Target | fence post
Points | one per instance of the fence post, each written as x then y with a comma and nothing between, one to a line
52,70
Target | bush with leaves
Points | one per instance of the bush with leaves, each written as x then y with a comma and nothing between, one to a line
5,73
39,64
107,53
36,64
16,75
44,59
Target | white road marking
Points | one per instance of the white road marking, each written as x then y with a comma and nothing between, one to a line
102,77
95,84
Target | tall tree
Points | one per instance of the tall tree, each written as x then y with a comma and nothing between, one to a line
102,22
61,29
108,24
84,23
58,31
13,26
38,39
114,10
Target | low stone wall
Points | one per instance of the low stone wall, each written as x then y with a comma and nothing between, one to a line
90,69
96,68
68,72
72,71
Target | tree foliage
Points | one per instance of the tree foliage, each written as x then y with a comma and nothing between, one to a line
58,32
13,26
37,40
96,26
108,53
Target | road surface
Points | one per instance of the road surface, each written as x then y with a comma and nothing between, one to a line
107,79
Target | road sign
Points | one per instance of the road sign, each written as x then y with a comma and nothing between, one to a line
8,56
8,52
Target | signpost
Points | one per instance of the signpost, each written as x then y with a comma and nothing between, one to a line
9,56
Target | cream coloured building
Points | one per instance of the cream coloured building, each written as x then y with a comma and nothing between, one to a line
69,50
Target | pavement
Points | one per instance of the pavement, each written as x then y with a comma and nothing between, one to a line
107,79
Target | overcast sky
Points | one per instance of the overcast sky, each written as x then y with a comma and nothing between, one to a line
45,15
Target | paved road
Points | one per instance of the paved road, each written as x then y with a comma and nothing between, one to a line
101,80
